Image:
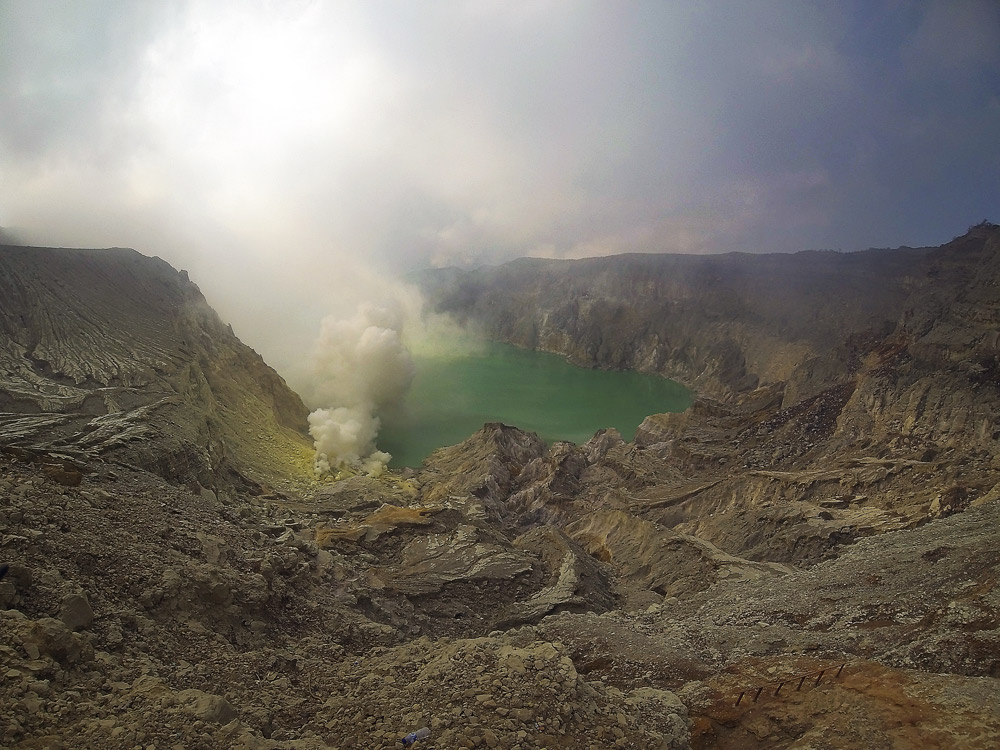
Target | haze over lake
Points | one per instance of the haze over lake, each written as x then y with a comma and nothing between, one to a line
454,394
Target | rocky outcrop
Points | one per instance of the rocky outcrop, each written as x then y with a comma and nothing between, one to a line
482,469
661,560
110,353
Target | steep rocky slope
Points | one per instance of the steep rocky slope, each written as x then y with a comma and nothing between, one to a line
272,612
111,353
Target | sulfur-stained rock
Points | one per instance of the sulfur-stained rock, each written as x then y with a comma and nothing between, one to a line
665,561
576,581
360,493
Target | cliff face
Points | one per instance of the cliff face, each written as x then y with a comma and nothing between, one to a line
936,378
726,324
722,323
110,353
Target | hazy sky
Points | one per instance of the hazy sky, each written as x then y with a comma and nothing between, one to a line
296,150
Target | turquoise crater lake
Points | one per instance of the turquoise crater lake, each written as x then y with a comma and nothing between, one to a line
454,394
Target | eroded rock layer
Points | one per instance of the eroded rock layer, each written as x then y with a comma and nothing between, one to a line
111,353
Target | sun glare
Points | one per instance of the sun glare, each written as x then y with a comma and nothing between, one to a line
229,80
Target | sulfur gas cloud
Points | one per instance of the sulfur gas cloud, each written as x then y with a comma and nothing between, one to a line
359,365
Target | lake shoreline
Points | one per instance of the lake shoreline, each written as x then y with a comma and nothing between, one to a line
455,393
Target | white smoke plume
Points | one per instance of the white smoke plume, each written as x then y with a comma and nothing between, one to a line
359,366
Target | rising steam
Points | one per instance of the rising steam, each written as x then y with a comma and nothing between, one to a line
360,366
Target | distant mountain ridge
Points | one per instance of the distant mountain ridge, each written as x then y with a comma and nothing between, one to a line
720,323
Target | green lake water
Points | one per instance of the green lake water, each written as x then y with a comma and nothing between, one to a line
454,394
